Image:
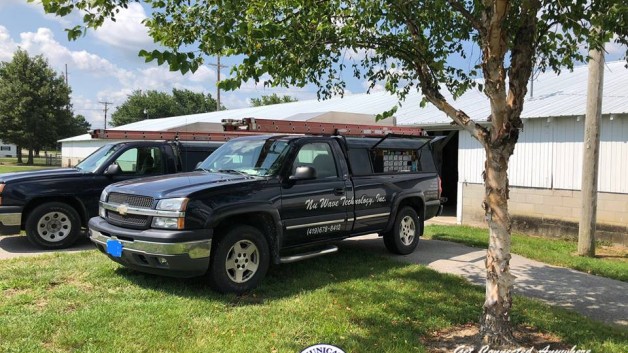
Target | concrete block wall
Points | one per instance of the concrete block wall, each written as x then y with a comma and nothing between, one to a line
554,213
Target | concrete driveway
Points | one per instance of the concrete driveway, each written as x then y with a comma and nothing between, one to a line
598,298
17,246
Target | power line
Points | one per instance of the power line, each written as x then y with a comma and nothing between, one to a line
106,108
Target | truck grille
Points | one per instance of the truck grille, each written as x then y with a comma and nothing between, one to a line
131,200
128,220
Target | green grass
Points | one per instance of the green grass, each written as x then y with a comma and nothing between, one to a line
84,302
21,168
10,165
551,251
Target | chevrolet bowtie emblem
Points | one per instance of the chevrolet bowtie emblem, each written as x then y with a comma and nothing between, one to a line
122,209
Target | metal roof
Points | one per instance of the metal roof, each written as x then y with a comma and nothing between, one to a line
553,96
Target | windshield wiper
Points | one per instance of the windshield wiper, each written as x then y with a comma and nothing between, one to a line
231,171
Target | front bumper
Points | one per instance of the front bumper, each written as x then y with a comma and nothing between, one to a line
10,220
175,253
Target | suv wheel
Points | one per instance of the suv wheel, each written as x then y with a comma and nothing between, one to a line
53,225
404,237
239,261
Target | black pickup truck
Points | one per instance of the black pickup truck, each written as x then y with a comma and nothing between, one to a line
53,205
269,198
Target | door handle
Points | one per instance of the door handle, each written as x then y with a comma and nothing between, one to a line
339,191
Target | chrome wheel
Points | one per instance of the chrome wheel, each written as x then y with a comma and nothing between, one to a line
242,261
54,226
407,230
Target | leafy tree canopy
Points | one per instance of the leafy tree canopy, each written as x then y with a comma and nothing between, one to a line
35,109
271,99
152,104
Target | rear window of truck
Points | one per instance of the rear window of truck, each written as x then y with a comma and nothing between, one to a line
365,161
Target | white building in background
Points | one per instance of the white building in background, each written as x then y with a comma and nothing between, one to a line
7,150
545,171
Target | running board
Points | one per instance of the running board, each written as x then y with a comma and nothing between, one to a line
308,255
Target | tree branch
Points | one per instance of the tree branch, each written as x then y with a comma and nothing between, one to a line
466,14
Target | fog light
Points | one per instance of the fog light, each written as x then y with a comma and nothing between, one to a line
162,261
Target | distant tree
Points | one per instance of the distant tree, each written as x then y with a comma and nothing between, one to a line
188,102
34,102
77,125
141,105
272,99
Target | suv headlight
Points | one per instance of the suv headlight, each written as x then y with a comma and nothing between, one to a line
175,205
103,198
103,195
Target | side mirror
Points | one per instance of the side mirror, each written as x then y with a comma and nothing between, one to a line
113,169
304,173
198,165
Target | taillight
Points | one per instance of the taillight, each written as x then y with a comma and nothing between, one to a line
1,188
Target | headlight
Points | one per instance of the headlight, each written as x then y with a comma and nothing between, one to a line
103,195
172,204
176,205
103,198
168,222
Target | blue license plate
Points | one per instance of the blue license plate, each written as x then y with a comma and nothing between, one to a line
114,247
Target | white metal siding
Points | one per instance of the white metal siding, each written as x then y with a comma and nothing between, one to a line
81,149
567,159
613,176
471,159
532,154
549,155
8,150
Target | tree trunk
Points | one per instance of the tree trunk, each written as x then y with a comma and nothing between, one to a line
30,157
495,326
18,152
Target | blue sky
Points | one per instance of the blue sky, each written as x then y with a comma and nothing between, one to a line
104,66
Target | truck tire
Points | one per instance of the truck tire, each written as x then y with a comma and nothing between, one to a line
53,225
404,237
239,260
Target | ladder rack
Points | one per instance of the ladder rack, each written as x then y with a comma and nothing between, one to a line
305,127
167,135
252,126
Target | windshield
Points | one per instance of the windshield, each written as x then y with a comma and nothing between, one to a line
253,157
96,159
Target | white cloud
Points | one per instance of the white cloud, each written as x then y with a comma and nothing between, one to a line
7,45
43,42
358,55
127,32
377,88
90,109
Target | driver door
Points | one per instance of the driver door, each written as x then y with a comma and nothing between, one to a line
314,210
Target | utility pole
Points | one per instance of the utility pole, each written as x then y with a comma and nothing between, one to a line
590,155
106,108
218,67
